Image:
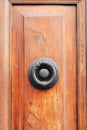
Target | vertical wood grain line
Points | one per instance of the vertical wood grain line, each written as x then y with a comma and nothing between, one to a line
76,73
86,63
5,75
64,69
81,41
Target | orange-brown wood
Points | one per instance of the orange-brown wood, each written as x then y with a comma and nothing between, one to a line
7,52
40,31
5,66
44,1
81,61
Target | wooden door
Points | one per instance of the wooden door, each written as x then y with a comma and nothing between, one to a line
44,31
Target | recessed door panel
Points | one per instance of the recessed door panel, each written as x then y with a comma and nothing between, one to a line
44,31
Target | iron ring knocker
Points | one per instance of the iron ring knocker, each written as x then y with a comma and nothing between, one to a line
43,73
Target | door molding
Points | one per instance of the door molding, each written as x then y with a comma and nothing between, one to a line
5,58
44,1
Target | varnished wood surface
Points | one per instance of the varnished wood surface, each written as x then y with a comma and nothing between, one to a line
40,31
5,60
81,58
44,1
5,68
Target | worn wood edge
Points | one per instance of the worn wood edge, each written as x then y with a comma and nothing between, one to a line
86,63
44,1
81,59
10,47
5,71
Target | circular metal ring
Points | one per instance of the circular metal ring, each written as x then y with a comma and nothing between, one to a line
43,73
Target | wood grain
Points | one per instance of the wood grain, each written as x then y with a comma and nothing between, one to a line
44,1
5,68
34,29
17,69
5,65
81,57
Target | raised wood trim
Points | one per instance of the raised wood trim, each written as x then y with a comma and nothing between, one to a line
81,61
5,66
44,1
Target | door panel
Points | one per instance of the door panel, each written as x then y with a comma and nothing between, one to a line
44,31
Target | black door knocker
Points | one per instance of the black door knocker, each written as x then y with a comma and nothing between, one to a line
43,73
